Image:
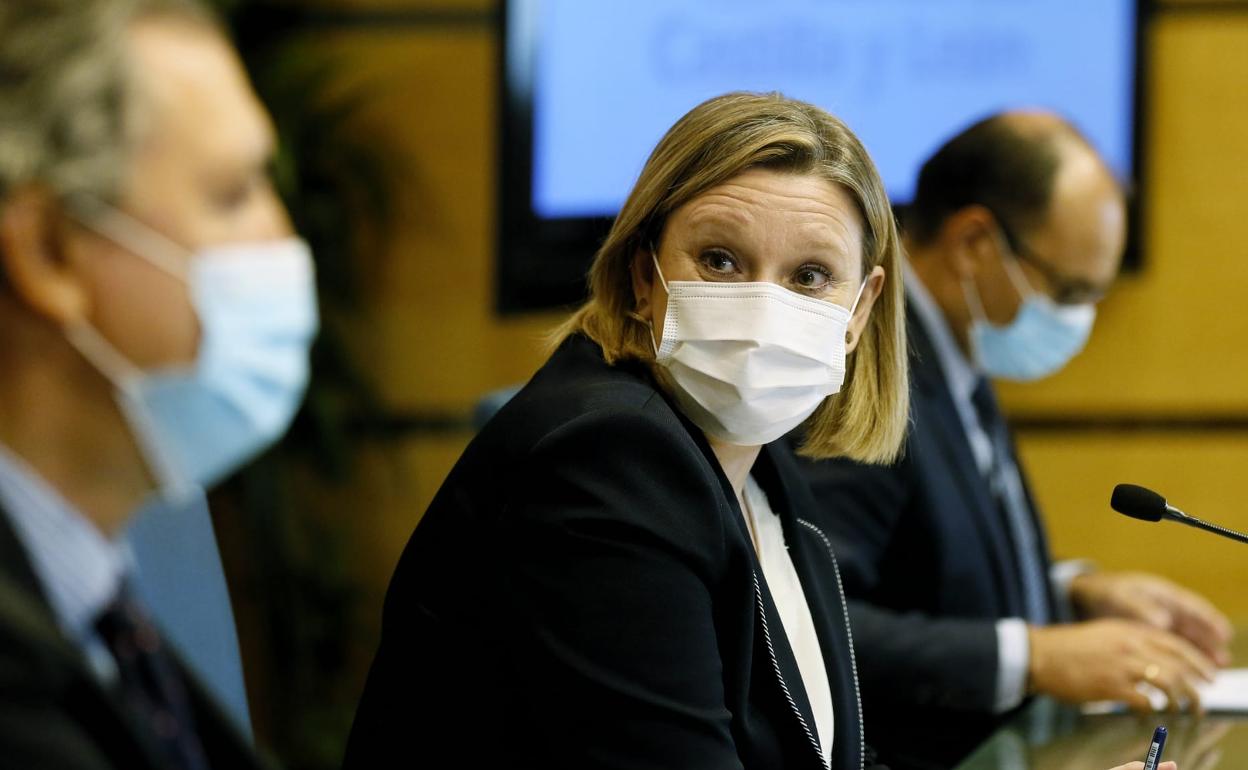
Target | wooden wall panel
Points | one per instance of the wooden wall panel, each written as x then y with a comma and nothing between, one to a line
1197,472
432,339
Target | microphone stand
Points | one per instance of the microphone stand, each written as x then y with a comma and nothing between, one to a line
1174,514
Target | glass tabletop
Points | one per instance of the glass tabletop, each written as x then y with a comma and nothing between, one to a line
1046,736
1049,736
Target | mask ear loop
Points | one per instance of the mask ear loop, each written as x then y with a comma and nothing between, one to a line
655,259
1014,270
132,235
973,302
854,309
978,316
162,253
125,378
649,322
1019,279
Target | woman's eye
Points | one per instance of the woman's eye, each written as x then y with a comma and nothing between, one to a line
812,278
720,262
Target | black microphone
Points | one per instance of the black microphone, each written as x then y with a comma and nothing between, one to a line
1145,504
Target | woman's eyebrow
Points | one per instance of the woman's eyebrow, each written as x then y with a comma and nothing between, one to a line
711,215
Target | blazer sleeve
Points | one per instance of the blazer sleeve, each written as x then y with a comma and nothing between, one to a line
612,551
904,658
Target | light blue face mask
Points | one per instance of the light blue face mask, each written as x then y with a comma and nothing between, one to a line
256,305
1042,338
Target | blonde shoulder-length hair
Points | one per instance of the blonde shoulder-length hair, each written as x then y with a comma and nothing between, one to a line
714,142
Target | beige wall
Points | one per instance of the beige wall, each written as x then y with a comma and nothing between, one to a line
1171,340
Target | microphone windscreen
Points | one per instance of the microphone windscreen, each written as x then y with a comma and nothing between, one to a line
1138,502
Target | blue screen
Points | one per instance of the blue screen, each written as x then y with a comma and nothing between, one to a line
609,77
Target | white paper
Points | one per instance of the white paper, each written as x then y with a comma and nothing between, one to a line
1227,694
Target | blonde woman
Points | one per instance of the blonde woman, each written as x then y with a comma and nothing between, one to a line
617,573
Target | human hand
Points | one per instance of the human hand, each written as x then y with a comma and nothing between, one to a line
1108,659
1158,602
1140,766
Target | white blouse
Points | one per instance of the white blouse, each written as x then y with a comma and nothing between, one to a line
786,589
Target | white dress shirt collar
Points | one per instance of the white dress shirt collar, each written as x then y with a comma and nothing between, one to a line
961,375
79,568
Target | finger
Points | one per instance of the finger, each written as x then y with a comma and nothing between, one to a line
1192,605
1204,640
1176,680
1196,619
1146,608
1126,689
1161,681
1194,661
1164,766
1179,691
1135,700
1191,608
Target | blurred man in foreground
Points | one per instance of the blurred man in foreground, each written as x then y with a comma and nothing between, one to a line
155,318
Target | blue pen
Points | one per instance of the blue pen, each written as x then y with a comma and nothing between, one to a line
1154,751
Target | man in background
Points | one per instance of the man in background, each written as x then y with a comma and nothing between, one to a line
1015,234
155,318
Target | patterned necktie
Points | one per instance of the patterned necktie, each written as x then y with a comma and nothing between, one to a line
150,682
1007,492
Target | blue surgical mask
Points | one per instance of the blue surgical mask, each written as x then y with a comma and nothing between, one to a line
256,304
1042,338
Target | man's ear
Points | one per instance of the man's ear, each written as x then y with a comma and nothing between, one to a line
642,271
32,256
969,239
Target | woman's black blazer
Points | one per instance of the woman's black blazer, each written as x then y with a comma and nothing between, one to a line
583,593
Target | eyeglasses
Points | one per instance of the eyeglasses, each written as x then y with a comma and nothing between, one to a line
1063,289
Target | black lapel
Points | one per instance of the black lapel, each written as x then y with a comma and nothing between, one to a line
15,565
933,401
60,669
815,564
768,623
27,616
25,610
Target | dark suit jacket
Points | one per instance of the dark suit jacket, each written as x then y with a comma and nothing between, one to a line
55,715
583,593
929,567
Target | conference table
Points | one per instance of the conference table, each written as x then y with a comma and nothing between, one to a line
1047,736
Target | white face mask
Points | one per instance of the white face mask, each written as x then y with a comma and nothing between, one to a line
750,361
256,305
